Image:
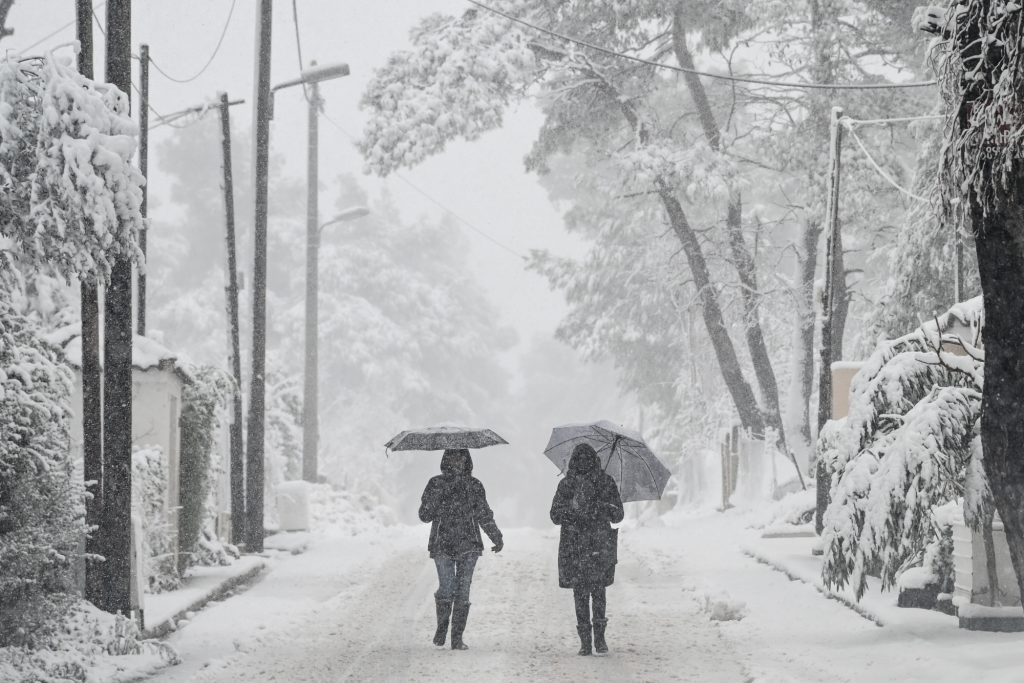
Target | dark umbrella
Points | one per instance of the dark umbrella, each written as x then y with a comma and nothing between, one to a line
442,437
624,455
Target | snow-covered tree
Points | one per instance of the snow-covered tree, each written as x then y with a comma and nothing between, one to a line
71,197
983,85
906,446
700,153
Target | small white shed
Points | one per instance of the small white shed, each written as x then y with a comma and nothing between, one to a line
157,384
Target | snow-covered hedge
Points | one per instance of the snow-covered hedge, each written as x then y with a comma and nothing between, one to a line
42,512
202,407
149,503
908,444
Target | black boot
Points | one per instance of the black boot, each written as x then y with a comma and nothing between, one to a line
444,612
585,639
600,646
460,613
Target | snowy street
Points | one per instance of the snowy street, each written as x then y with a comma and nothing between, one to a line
360,609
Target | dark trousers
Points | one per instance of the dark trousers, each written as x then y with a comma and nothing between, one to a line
582,598
455,576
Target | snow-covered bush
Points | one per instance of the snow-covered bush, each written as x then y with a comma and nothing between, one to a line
69,196
149,503
907,445
202,405
83,645
41,499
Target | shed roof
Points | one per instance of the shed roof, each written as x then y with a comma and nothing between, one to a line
147,353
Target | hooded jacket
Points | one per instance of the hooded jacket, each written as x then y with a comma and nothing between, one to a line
455,504
586,500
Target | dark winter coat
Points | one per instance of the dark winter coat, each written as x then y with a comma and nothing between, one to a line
586,500
455,504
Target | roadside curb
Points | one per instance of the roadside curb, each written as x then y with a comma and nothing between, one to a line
169,625
771,563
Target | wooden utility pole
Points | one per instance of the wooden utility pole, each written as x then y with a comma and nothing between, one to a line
833,271
958,256
237,453
117,364
311,374
254,445
144,169
92,375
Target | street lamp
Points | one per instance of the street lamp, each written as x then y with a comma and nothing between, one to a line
261,140
311,370
312,77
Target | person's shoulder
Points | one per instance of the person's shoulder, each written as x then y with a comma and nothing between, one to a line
475,483
607,479
435,480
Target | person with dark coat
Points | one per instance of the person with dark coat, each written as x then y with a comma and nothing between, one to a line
586,500
455,504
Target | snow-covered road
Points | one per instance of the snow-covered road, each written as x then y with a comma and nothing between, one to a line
361,609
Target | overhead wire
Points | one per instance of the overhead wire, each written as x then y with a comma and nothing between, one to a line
58,30
434,200
878,168
145,101
216,50
298,45
708,74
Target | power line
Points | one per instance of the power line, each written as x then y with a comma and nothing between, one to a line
58,30
878,168
298,44
851,123
723,77
216,49
434,200
145,101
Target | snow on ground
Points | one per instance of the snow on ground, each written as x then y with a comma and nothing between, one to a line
687,605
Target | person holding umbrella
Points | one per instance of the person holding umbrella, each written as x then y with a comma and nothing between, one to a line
586,501
455,504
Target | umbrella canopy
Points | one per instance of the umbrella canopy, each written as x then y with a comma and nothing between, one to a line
441,437
623,454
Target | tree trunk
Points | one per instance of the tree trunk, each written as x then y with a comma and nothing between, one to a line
741,258
732,372
739,389
798,416
1000,264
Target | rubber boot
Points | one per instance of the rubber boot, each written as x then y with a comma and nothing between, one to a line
585,639
460,613
600,646
444,612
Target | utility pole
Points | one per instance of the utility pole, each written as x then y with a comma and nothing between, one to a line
92,375
144,169
311,376
237,452
254,445
958,255
117,364
833,271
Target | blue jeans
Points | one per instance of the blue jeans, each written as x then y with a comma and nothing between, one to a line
454,576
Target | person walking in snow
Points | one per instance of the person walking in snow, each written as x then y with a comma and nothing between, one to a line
586,500
455,504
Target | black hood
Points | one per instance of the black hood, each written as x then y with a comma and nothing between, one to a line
456,461
584,460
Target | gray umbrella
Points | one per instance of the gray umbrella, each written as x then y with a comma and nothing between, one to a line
441,437
624,455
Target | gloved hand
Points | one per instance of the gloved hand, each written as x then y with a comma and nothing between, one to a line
497,547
